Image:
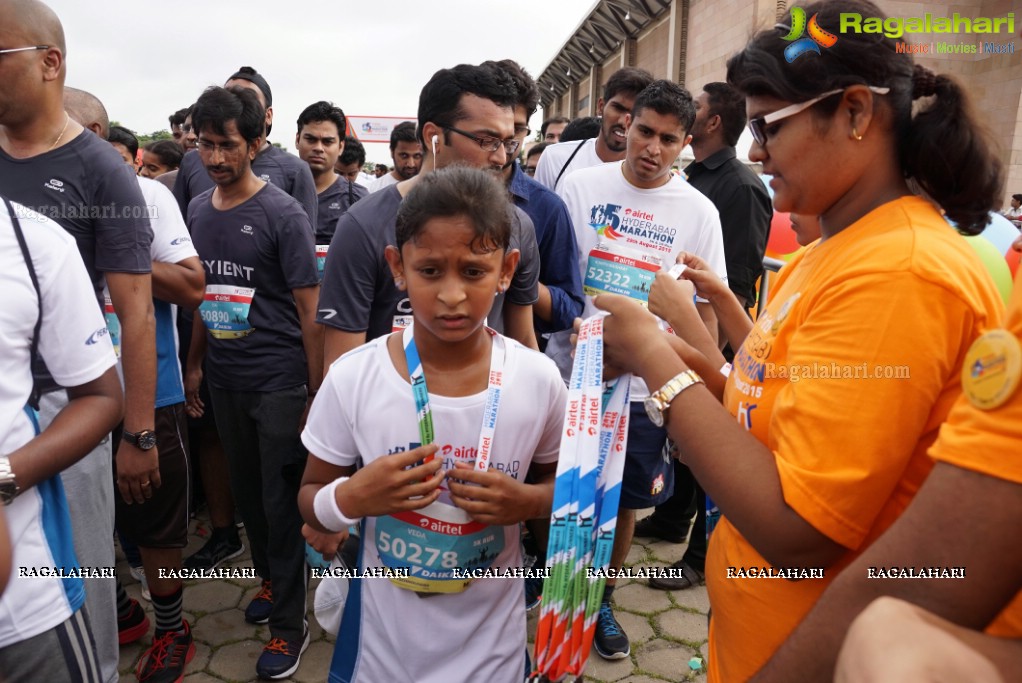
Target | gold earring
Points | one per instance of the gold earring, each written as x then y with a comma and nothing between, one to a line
855,134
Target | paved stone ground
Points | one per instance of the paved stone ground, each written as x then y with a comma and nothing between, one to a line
667,629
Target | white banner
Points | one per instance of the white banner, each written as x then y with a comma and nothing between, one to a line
374,128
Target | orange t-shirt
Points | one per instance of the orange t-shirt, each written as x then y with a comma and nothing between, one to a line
988,441
846,378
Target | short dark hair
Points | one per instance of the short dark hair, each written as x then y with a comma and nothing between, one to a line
944,147
1017,197
168,152
536,149
440,99
403,132
548,122
528,91
323,111
458,191
582,128
628,80
353,151
125,137
667,98
729,105
216,106
382,167
178,117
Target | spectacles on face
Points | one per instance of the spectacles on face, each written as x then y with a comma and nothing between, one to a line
488,143
529,170
522,131
226,149
31,48
758,125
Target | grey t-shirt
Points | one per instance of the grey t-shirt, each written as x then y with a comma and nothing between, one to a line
272,164
358,292
333,202
88,190
265,244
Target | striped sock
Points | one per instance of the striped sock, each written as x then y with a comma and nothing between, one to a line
168,610
123,602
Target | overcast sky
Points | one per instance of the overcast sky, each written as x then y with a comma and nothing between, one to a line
148,59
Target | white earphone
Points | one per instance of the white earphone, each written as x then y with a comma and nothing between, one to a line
433,140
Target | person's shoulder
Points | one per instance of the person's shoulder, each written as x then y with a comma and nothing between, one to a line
41,233
360,361
693,198
590,175
277,202
155,192
531,366
376,207
201,203
565,149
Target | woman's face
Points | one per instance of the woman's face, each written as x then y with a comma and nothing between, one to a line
800,154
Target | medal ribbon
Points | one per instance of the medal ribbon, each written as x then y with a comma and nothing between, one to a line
584,516
495,384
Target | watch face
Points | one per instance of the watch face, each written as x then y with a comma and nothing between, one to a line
653,411
146,439
8,490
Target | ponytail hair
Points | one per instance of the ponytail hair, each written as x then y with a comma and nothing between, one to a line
949,153
944,149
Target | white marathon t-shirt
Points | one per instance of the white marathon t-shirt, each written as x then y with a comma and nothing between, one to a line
74,343
366,410
606,209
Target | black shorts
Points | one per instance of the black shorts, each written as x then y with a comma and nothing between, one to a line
648,479
162,521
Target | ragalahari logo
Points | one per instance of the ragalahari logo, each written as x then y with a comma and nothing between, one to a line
801,45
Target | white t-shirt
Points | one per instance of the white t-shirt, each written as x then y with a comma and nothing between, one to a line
365,410
555,156
662,221
74,343
385,180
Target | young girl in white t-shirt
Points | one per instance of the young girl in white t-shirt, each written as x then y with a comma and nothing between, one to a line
440,518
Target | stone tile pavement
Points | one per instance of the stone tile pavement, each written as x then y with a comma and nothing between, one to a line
667,629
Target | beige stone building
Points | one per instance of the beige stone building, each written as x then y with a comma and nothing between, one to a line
689,41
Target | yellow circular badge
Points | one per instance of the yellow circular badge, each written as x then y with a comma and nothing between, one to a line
992,368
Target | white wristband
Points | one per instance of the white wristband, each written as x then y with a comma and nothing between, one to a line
327,511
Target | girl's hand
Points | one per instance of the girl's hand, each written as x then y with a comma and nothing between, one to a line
409,480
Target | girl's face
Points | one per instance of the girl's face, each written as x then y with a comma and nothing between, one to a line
801,154
450,284
151,165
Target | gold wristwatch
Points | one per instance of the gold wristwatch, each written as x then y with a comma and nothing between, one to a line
660,400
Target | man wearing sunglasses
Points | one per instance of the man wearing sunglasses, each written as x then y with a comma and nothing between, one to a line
465,117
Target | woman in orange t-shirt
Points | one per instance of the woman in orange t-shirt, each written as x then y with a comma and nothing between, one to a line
843,382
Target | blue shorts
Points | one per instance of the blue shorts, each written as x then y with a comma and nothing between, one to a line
648,479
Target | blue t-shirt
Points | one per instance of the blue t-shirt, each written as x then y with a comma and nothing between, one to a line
264,244
558,249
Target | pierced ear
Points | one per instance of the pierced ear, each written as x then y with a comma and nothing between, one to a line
859,101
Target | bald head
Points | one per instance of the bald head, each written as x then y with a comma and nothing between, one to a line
86,109
34,21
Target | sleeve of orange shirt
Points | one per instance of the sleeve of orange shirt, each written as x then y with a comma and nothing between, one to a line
840,461
987,441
